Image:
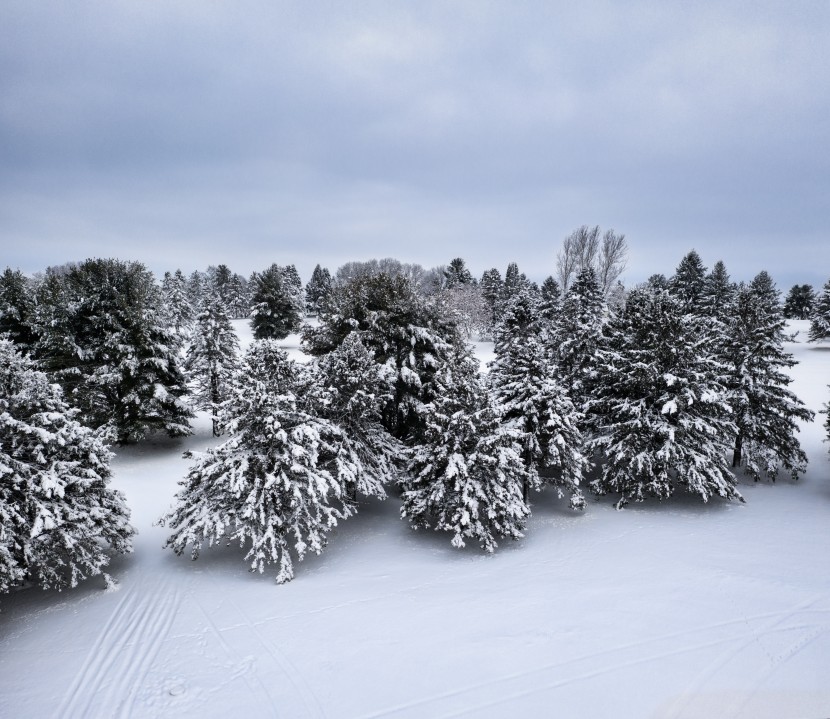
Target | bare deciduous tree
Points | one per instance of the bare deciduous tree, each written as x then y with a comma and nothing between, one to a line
585,247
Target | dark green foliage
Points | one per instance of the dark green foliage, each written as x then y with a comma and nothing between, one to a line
17,309
533,403
688,282
660,415
317,289
458,274
466,474
57,511
275,313
406,333
578,336
102,337
799,302
718,295
820,316
764,410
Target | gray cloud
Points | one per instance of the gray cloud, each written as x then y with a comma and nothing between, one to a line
187,133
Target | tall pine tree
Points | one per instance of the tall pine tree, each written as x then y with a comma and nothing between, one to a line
212,357
820,316
689,282
275,312
17,309
467,474
764,410
534,404
57,510
274,486
660,415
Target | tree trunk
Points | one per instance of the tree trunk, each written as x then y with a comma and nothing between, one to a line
737,456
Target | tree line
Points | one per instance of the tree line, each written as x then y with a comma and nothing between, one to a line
679,382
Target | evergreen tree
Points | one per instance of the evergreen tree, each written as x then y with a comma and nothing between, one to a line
513,282
820,317
467,475
294,287
275,313
212,357
101,336
349,389
661,416
551,301
799,302
534,404
492,288
195,287
177,309
317,290
407,334
579,335
238,299
458,274
17,309
764,410
718,294
275,485
57,511
689,281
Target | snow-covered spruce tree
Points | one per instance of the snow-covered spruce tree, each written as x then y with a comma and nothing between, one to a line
237,297
17,309
533,403
212,357
405,332
275,485
718,294
457,273
799,302
578,337
492,288
57,511
466,476
317,289
349,389
177,309
820,316
660,415
102,337
274,312
550,304
689,282
765,411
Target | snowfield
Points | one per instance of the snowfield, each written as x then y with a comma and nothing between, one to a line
673,609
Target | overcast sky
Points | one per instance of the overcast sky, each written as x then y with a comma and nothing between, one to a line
184,134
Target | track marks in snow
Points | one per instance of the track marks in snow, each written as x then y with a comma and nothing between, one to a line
110,677
482,698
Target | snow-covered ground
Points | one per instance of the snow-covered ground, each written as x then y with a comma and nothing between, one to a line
673,609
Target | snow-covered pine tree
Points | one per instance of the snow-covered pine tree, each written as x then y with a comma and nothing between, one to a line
661,417
550,302
820,316
176,307
317,290
799,302
513,282
456,273
195,287
57,511
466,476
294,287
533,403
718,294
689,281
492,288
102,337
407,333
274,312
17,309
764,410
212,357
578,337
349,389
237,297
274,485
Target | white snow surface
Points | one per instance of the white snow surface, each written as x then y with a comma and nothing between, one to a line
664,609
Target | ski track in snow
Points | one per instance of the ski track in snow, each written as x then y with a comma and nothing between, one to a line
473,700
116,665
